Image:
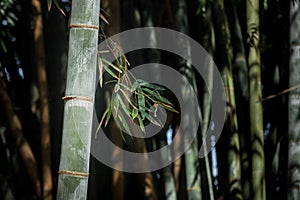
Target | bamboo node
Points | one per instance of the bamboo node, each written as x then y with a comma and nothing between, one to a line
84,26
73,173
67,98
227,88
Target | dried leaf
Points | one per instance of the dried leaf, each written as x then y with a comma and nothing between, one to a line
103,18
100,65
49,3
58,7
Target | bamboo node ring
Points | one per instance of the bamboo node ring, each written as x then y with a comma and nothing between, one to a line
84,26
66,98
73,173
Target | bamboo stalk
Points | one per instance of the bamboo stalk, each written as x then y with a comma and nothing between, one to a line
80,91
43,96
21,142
256,115
293,191
224,51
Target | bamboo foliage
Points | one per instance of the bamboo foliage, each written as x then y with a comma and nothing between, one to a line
256,120
80,91
257,139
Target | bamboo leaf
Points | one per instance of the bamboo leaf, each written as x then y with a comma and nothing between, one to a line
112,65
127,98
171,109
150,85
103,18
123,106
125,86
3,46
111,72
141,102
117,87
152,120
116,104
108,110
103,117
124,123
135,86
163,99
141,123
112,81
49,3
108,116
122,135
100,65
134,113
58,7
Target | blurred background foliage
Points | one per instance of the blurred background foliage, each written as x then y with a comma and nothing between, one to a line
258,154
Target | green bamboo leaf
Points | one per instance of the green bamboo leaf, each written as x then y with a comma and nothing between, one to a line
58,7
116,104
124,123
128,99
106,112
108,116
117,87
171,109
156,97
3,46
150,92
141,101
112,65
152,120
125,86
141,123
134,113
111,72
163,99
122,135
103,117
112,81
123,106
166,106
150,85
147,109
135,86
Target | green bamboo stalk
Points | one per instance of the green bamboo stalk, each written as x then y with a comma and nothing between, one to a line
193,182
294,122
78,112
256,118
168,179
224,50
240,75
208,44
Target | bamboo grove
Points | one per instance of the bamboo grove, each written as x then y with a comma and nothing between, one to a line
49,66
